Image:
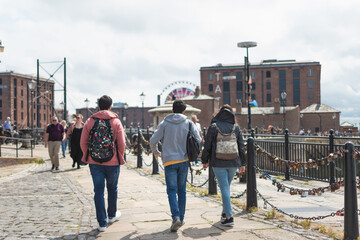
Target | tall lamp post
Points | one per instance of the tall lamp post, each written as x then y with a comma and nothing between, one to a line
283,98
31,85
87,102
142,97
62,105
247,45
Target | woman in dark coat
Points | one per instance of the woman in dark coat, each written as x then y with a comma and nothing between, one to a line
74,134
224,166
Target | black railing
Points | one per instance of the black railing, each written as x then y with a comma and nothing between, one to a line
14,144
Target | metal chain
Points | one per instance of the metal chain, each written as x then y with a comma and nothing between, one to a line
239,195
333,214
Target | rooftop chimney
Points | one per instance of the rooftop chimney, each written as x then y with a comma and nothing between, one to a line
197,91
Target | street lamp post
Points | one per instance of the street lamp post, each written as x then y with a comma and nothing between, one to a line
247,45
62,105
87,102
283,98
142,97
31,85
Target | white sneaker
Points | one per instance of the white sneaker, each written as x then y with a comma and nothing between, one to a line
101,229
114,219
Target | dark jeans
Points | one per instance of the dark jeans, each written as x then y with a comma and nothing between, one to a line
99,174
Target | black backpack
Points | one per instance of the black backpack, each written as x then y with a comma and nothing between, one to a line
192,146
101,143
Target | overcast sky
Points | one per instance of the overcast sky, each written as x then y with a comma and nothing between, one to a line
122,48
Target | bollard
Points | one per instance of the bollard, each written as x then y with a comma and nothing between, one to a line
139,151
287,170
351,225
155,166
212,182
32,145
17,148
332,163
251,195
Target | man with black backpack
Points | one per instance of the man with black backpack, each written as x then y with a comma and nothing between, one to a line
173,133
103,145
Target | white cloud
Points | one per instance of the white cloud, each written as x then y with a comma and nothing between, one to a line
122,48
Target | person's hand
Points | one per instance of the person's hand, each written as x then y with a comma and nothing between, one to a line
45,144
157,155
205,165
242,169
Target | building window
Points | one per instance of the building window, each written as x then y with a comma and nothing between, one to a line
253,97
296,87
268,97
22,116
211,88
22,92
15,115
239,76
253,86
22,104
310,84
268,85
211,76
226,74
239,97
0,103
22,82
15,90
226,89
310,72
311,96
15,103
268,74
0,91
44,116
282,80
0,115
239,86
226,86
15,81
252,75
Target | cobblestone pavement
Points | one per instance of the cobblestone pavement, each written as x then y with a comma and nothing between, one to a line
38,204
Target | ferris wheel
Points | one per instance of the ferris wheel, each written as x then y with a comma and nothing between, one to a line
179,90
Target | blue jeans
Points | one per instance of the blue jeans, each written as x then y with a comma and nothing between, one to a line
175,177
99,174
224,177
63,146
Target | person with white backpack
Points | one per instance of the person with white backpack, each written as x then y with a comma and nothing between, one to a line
225,152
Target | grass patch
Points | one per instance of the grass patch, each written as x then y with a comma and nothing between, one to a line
253,210
305,224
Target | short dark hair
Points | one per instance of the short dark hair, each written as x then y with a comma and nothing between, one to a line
104,102
179,106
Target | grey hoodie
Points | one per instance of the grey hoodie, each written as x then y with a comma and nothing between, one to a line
173,131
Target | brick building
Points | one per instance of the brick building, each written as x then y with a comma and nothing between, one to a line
300,80
17,102
130,117
320,118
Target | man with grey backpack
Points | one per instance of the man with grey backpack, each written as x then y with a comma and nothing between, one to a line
225,152
173,132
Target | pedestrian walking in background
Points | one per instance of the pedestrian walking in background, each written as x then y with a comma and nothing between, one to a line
74,134
7,124
172,132
64,144
54,134
103,145
225,152
195,120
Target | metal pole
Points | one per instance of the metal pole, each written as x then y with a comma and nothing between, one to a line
251,199
38,124
142,115
351,225
248,89
332,163
287,170
27,105
65,90
139,155
155,166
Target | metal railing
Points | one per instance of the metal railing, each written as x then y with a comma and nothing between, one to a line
14,144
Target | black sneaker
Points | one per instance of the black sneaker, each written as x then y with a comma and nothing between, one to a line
223,217
176,224
57,168
53,166
228,222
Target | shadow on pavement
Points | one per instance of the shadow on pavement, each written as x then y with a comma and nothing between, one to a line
85,235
